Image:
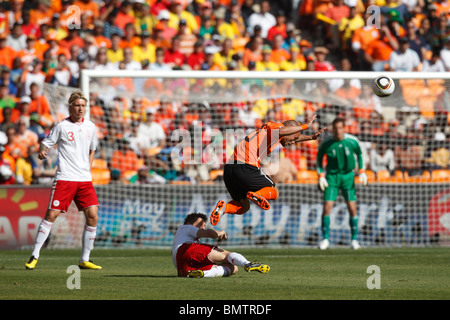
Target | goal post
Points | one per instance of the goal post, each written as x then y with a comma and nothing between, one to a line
87,75
406,203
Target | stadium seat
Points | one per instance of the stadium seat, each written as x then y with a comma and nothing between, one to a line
181,182
303,163
426,106
100,176
127,175
442,175
385,176
436,90
411,82
412,90
398,176
203,183
411,95
424,177
140,163
99,164
307,176
435,82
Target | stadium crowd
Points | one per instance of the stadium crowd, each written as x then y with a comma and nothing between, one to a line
51,41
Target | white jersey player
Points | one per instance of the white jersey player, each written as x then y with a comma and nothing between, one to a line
75,137
75,142
197,260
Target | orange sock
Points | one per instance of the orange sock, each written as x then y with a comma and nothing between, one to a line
234,207
269,193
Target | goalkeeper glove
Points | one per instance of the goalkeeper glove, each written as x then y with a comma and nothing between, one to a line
323,184
363,177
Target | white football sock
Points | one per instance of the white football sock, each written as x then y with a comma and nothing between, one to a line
42,235
87,242
217,271
237,259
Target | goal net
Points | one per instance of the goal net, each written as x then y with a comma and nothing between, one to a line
164,137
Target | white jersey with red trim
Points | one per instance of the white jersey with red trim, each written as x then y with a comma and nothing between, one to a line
74,140
186,233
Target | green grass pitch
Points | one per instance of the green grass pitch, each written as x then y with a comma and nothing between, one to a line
296,274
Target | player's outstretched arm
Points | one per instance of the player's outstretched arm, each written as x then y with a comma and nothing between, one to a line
314,136
211,233
289,129
311,120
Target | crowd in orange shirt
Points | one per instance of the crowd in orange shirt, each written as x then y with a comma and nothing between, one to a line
50,41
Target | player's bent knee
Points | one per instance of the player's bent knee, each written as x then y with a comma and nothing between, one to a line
245,203
234,270
91,216
51,215
218,255
91,220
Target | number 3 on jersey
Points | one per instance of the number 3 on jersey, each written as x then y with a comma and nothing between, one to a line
71,138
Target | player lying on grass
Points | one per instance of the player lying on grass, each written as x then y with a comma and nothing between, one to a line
243,177
198,260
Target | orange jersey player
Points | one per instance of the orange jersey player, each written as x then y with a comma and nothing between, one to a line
243,177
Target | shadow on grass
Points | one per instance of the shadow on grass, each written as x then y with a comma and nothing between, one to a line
140,276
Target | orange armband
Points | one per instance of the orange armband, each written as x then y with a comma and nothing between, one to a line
304,126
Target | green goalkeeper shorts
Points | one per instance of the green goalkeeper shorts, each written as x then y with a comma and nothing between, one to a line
340,181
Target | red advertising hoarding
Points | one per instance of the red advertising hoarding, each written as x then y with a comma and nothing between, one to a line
439,214
21,211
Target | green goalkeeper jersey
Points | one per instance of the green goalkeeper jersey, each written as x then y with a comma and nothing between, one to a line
340,154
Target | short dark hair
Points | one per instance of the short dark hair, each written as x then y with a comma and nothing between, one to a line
290,123
192,217
337,120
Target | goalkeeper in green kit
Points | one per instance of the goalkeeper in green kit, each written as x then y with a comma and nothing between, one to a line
340,150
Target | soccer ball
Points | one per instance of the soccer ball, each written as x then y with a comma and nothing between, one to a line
383,86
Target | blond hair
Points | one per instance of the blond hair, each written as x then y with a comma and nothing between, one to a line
75,96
